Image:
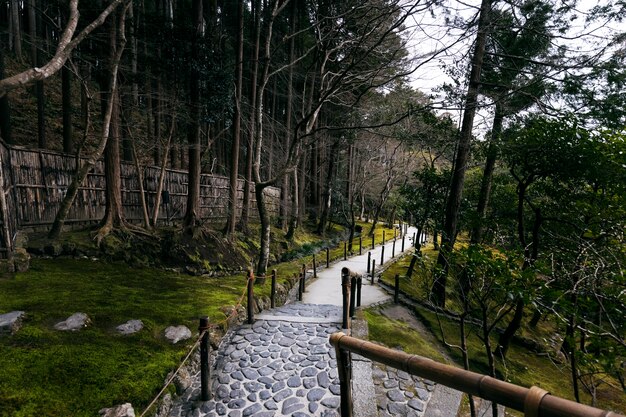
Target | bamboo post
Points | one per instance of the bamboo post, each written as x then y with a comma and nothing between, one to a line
369,261
345,251
396,291
345,375
414,241
393,249
303,277
273,292
300,286
327,257
345,292
373,269
360,245
314,267
205,370
359,284
402,243
383,237
382,255
352,295
250,305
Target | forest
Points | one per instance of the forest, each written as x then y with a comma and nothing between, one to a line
514,166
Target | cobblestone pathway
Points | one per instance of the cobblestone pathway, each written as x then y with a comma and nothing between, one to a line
284,365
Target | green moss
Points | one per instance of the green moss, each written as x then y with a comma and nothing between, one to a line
51,373
398,334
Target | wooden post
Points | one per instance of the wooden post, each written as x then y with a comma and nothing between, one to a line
314,267
303,277
300,286
383,238
396,292
360,245
345,375
345,291
250,305
345,251
382,255
273,293
352,296
327,257
205,370
402,243
359,284
395,233
369,261
393,249
373,269
373,240
414,241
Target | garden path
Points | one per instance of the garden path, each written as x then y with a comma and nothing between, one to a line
283,364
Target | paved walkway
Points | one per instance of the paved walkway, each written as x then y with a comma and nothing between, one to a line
283,364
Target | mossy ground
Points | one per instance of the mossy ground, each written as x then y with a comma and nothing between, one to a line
45,372
521,367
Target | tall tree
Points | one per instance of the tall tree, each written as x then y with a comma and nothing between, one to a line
462,156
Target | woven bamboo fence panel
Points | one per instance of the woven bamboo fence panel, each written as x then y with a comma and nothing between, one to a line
40,178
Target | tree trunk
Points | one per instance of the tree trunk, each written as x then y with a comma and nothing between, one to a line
293,212
504,341
192,213
17,29
234,156
82,171
5,108
66,88
487,180
460,163
264,253
255,98
328,188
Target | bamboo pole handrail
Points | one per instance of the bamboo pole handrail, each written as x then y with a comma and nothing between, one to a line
533,401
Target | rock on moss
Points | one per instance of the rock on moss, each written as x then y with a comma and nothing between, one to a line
11,322
124,410
130,327
74,322
177,333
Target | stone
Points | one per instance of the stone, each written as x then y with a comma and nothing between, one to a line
390,383
278,386
271,405
177,333
123,410
313,407
11,322
291,404
74,322
221,409
234,413
309,383
264,395
331,402
396,409
281,395
335,389
294,381
423,394
237,403
315,394
182,381
130,327
307,372
254,408
416,404
396,395
323,380
250,373
237,375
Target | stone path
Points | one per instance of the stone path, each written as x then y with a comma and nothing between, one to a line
283,364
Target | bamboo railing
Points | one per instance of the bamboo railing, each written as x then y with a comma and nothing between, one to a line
534,401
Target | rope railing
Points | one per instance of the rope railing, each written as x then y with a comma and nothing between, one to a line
203,338
532,401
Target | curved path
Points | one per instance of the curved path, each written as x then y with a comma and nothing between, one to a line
283,364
